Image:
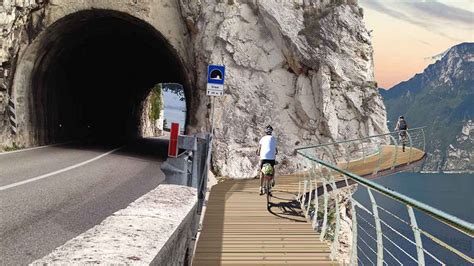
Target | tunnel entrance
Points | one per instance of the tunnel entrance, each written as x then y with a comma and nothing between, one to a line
91,72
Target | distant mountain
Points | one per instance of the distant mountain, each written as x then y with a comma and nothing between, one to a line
441,98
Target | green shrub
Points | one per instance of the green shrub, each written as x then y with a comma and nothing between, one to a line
13,147
156,105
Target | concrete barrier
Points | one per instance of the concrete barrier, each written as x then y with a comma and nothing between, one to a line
156,229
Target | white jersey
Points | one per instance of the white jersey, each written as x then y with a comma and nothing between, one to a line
267,148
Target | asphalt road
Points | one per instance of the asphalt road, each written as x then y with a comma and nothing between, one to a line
40,211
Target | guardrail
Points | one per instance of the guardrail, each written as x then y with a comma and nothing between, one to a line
380,235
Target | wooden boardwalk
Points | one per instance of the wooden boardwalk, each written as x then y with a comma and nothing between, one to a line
238,229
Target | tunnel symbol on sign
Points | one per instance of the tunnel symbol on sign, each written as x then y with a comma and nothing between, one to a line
216,74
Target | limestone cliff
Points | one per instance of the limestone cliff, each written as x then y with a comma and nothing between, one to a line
14,18
305,67
460,155
152,113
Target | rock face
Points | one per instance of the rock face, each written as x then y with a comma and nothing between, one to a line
150,127
441,98
10,27
460,155
151,119
305,67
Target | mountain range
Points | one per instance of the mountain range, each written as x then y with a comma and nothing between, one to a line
442,99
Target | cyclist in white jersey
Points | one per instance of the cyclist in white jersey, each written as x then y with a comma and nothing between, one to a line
267,150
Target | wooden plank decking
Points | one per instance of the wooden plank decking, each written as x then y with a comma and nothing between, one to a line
238,229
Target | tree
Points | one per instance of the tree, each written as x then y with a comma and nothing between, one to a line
156,102
174,88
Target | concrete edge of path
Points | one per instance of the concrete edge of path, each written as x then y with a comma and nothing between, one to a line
156,229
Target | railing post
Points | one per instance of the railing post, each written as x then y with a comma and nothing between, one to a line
411,147
424,140
335,242
315,202
325,217
353,259
363,150
379,150
419,244
299,187
309,198
378,228
395,154
303,198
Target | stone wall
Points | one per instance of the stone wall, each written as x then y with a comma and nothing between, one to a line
156,229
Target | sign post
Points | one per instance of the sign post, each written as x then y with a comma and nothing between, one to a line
173,145
215,86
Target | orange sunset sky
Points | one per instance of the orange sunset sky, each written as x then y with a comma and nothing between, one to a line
406,34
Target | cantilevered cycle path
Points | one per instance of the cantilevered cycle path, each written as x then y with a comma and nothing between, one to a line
238,228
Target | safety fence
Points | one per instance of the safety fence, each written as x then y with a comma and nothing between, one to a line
386,227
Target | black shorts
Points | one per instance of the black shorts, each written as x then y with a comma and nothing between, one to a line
271,162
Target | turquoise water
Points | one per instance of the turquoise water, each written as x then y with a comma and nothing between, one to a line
451,193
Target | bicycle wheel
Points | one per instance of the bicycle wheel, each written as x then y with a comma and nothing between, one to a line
267,191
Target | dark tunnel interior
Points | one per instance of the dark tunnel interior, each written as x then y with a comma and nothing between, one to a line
94,70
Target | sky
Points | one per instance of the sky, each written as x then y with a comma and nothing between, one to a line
406,34
174,109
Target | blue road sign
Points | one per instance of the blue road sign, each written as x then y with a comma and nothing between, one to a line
215,74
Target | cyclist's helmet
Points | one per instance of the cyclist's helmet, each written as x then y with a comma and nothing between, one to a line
268,130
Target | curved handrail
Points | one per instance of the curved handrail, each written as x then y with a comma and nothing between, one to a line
451,220
352,140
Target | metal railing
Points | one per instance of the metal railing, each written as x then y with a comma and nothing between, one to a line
382,233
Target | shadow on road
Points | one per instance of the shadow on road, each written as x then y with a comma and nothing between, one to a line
154,149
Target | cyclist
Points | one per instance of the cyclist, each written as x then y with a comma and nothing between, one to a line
267,150
402,127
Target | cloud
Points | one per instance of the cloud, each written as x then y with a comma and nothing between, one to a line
442,11
461,4
382,8
431,15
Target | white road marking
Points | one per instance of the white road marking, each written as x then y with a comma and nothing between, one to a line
58,171
34,148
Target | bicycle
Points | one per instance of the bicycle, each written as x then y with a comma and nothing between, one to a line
267,178
403,137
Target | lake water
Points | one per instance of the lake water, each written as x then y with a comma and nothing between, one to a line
451,193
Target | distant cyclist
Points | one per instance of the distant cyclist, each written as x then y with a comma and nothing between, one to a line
402,128
267,150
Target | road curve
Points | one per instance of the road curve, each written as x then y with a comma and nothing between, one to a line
38,216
